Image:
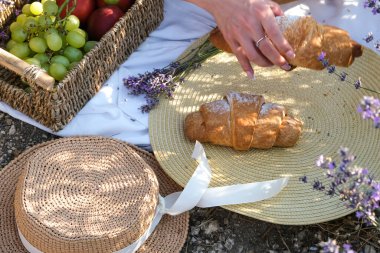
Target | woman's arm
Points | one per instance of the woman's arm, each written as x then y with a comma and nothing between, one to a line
243,23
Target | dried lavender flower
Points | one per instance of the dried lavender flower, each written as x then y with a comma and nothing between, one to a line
369,37
358,83
163,82
369,108
375,7
343,76
153,84
331,246
354,185
377,45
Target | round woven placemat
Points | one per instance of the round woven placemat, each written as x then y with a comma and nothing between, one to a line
327,107
169,235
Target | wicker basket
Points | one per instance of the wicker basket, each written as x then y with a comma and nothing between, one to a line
55,107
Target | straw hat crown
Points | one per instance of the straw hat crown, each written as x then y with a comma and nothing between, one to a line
86,197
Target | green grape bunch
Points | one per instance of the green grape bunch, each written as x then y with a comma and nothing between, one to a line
41,37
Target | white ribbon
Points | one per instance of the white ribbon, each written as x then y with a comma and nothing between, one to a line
197,193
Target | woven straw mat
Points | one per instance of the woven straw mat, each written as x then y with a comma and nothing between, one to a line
327,107
103,226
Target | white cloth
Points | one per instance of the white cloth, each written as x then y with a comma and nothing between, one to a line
113,112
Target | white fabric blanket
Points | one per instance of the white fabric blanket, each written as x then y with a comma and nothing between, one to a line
113,112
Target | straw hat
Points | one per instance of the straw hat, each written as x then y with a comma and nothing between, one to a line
86,194
327,107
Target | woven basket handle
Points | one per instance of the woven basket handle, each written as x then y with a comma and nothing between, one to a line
33,75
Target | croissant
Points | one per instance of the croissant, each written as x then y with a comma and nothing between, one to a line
309,39
243,121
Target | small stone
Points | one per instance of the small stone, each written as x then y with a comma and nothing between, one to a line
213,226
369,249
12,130
301,235
229,243
240,249
195,230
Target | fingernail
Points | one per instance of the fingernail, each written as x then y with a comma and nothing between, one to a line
250,75
290,54
286,67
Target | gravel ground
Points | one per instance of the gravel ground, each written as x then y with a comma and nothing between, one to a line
217,230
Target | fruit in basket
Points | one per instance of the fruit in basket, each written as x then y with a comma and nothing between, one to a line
54,41
89,45
36,8
21,50
111,2
58,71
33,61
72,22
38,44
73,54
75,39
83,9
40,38
19,35
60,59
102,20
50,8
124,5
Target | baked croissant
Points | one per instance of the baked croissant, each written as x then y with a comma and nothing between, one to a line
243,121
309,39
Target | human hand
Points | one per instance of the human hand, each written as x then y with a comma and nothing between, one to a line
251,30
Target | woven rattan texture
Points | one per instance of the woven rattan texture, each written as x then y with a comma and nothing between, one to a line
133,168
327,107
55,109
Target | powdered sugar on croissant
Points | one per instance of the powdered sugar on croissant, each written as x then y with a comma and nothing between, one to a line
308,39
243,121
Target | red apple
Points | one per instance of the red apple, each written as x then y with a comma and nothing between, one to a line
82,10
102,20
124,5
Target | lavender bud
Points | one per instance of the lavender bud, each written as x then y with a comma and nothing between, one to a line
369,37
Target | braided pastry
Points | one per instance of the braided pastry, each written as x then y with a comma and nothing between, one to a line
308,39
243,121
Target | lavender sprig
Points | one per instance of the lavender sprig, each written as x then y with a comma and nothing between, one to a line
377,45
163,82
343,76
374,5
369,108
331,246
369,37
354,185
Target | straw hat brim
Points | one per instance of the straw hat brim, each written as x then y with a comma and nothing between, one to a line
326,105
169,235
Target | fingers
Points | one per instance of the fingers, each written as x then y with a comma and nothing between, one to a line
246,53
242,33
278,40
277,11
252,53
243,60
